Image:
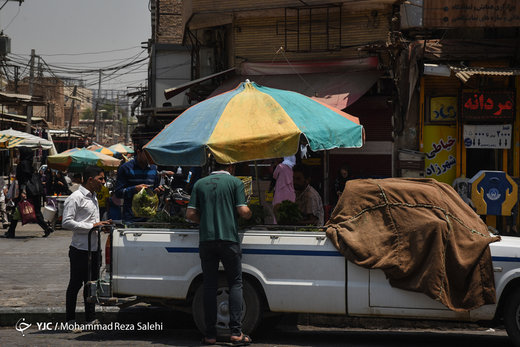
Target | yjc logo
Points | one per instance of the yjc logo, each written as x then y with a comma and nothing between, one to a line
21,326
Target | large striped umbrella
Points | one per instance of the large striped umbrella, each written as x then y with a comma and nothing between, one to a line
252,122
76,159
105,151
15,138
120,148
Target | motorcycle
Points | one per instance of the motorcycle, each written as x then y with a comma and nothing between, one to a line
174,199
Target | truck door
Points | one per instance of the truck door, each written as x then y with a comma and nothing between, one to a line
155,262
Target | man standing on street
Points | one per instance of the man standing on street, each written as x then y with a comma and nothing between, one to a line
81,214
216,202
132,177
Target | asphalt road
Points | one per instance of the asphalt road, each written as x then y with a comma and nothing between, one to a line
282,337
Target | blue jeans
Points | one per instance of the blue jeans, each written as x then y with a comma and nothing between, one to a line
230,254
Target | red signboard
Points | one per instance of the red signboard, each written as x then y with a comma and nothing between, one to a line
488,106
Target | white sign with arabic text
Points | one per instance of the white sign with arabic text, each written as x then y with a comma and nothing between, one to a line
487,136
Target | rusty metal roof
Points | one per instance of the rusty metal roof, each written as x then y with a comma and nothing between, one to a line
464,73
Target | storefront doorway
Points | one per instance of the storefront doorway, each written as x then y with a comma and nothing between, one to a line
481,159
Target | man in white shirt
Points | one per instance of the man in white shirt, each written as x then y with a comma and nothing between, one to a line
81,214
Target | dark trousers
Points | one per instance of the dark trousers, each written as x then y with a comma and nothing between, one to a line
37,203
79,277
230,254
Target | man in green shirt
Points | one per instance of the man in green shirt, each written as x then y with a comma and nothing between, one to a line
216,203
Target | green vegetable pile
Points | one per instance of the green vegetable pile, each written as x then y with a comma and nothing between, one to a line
288,213
163,220
144,203
257,217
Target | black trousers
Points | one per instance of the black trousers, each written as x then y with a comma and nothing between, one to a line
230,254
37,203
79,277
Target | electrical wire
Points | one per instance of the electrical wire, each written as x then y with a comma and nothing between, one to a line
12,19
90,69
87,53
90,75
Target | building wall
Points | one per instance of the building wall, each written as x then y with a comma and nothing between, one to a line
201,6
167,24
51,90
260,38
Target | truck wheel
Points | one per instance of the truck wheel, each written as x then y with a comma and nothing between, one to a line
512,316
251,314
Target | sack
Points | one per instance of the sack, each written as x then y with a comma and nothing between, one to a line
27,213
144,203
34,186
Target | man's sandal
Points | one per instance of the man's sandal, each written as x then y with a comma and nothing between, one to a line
244,340
208,342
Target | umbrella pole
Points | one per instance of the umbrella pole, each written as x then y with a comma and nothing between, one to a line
258,184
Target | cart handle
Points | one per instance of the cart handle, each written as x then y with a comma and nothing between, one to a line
110,228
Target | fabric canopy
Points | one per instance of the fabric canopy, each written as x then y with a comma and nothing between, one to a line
336,89
77,159
17,138
252,122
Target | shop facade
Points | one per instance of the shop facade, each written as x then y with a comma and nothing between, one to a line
466,97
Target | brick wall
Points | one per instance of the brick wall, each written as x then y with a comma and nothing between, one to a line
168,22
51,91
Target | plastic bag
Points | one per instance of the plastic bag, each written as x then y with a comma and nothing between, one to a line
144,203
16,214
27,213
12,192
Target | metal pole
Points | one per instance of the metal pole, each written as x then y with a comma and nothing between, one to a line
96,119
116,120
127,130
71,115
258,184
31,90
326,178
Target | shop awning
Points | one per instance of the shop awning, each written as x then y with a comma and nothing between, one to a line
15,99
465,73
338,83
336,89
21,119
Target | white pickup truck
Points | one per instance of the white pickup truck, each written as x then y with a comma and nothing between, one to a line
286,271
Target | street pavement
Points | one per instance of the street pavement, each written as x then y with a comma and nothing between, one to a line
34,275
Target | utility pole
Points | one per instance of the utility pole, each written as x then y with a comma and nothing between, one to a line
71,114
96,119
116,119
16,79
31,91
127,133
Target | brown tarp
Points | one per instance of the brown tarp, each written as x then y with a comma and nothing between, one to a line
421,234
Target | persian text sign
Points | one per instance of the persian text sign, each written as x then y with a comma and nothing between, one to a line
471,13
440,150
487,136
443,109
488,106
